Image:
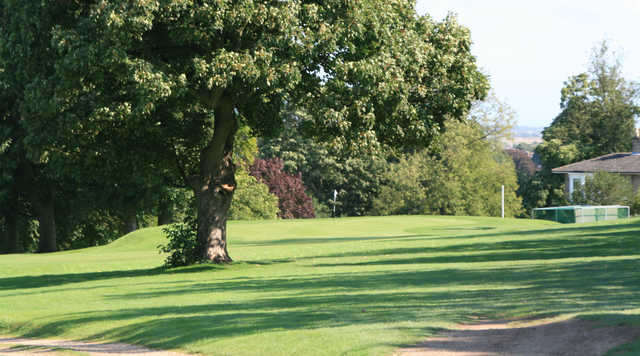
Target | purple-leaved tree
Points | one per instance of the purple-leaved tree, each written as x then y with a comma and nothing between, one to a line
294,202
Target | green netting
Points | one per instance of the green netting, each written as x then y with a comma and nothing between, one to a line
573,214
623,213
566,216
545,214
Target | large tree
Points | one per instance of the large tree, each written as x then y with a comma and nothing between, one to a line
599,110
180,75
462,175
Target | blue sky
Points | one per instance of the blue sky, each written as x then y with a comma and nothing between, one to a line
529,48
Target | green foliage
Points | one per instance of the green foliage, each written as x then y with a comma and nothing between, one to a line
321,210
604,188
599,109
91,227
245,147
252,199
124,98
529,147
183,247
357,177
463,178
635,205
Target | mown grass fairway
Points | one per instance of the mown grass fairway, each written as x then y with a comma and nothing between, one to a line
361,286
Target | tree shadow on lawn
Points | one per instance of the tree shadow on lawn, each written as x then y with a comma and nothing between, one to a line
323,240
336,300
547,247
437,233
329,300
618,244
48,280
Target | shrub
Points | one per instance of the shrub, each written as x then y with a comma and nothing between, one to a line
290,190
252,199
321,210
183,246
604,188
635,205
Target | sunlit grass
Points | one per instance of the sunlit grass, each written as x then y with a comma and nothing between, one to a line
326,287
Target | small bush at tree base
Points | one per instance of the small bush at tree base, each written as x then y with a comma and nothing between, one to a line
183,247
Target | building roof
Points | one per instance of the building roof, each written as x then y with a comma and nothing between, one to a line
621,162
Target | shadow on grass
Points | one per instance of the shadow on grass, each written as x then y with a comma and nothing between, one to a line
347,299
48,280
615,244
580,242
324,240
437,233
329,300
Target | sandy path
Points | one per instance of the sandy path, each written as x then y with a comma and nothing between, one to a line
27,347
573,337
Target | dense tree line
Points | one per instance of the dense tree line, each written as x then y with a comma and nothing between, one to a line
112,109
462,175
121,114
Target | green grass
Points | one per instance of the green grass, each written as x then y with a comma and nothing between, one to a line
362,286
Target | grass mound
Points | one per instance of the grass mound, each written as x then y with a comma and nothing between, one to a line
327,286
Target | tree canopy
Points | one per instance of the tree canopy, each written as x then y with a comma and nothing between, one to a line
599,110
604,188
462,175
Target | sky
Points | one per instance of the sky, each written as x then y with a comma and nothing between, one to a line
530,48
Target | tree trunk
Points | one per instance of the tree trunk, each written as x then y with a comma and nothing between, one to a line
45,209
11,233
165,211
130,220
41,194
4,238
217,185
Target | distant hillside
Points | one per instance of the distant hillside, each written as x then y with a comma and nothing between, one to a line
529,136
527,131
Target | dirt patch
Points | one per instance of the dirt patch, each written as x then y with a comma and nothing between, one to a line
573,337
41,347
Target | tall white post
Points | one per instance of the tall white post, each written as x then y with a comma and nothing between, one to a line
335,197
503,201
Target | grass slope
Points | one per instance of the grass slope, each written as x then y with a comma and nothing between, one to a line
361,286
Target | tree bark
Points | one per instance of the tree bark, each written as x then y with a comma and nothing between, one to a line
165,211
45,209
11,233
130,220
41,194
217,185
4,243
